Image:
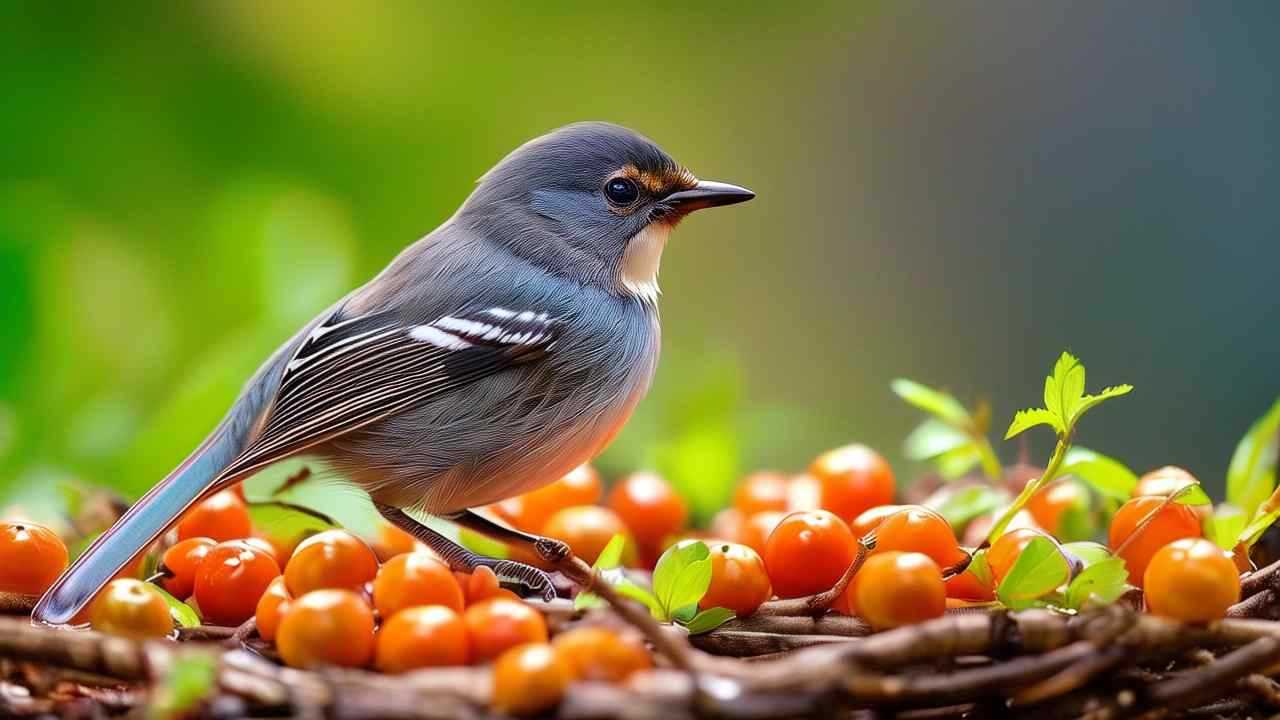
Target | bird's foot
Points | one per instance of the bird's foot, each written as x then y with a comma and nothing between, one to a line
527,577
550,550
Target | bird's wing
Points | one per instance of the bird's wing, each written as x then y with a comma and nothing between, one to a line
350,372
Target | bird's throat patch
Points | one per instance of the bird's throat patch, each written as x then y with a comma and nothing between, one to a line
638,275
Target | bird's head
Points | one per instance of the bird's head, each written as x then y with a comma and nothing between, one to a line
591,201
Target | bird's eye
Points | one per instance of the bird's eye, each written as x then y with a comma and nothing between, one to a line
621,191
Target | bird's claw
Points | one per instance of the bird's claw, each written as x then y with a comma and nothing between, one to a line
551,551
529,577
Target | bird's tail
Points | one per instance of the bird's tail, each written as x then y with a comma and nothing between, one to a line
198,476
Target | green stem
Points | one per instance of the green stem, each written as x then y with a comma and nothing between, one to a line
1031,488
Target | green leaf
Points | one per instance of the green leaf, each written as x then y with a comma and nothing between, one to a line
287,522
607,562
684,614
1192,495
1064,388
1251,475
1026,419
958,462
191,678
1107,475
628,589
709,620
968,503
681,577
932,438
1103,580
182,614
941,405
1087,552
1088,402
1257,526
611,555
1039,569
980,569
1225,525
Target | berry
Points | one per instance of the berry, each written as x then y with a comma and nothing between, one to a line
587,529
728,525
415,579
1191,580
222,516
393,541
804,492
132,609
271,607
422,636
601,655
331,559
230,580
531,511
852,479
896,588
326,627
1005,550
738,579
808,552
967,586
649,507
1050,505
761,492
498,625
1163,481
181,561
919,529
757,528
529,679
1172,522
31,558
869,520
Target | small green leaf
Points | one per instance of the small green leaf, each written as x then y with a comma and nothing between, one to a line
628,589
1087,552
1024,420
1103,580
932,438
191,678
1107,475
1225,525
684,614
1088,402
183,615
1064,388
1251,475
1257,526
980,569
1192,495
611,555
968,503
681,577
1039,569
709,620
287,522
941,405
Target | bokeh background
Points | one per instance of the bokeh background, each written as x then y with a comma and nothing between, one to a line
953,192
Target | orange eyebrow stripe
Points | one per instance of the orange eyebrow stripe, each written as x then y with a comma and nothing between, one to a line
661,182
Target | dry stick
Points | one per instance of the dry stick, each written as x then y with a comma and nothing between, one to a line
1260,580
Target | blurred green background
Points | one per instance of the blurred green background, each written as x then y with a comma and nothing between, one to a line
953,192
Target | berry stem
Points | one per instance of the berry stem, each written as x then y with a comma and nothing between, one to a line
1030,489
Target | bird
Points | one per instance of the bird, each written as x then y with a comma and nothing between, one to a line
491,357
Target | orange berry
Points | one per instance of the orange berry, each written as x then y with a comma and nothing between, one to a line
271,607
852,479
967,586
478,585
181,561
601,655
727,525
326,627
757,528
649,507
422,636
222,516
870,519
415,579
896,588
1191,580
761,492
1005,550
132,609
1163,481
393,541
331,559
1050,504
738,579
587,529
31,558
498,625
1172,522
531,511
529,679
804,492
918,529
230,579
808,552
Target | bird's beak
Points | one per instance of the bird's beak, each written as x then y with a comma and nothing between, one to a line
707,193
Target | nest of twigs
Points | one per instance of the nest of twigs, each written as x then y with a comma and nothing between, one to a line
783,662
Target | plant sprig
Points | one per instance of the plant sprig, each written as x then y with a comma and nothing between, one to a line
1065,402
953,439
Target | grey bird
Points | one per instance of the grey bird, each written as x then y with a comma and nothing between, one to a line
489,358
